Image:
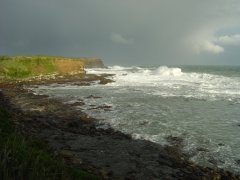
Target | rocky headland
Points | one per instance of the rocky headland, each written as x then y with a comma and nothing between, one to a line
14,67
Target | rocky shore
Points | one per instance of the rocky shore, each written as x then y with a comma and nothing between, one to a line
105,152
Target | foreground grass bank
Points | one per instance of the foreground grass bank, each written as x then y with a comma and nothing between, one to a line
23,158
28,66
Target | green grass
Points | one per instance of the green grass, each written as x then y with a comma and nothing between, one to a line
23,158
24,66
15,67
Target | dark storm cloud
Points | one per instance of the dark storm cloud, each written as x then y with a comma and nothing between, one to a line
120,32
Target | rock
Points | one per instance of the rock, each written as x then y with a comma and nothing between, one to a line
105,173
93,97
202,149
76,160
176,141
73,124
66,153
103,107
105,81
108,153
213,161
87,119
94,63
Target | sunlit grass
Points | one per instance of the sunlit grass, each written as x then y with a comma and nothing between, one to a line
27,66
24,67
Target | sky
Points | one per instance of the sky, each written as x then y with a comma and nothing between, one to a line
124,32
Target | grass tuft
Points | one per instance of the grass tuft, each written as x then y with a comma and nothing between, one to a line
28,66
24,158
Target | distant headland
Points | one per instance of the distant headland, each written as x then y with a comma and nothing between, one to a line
35,65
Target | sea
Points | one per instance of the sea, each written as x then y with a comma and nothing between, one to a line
199,105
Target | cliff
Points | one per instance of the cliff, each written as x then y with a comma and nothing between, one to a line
93,63
27,66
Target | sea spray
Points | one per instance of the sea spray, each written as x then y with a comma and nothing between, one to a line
154,103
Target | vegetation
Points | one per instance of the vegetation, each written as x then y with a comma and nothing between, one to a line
27,66
23,158
23,67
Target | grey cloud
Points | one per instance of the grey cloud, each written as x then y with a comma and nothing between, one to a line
229,39
118,38
153,31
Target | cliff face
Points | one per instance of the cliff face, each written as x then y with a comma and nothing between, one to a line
85,62
27,66
93,63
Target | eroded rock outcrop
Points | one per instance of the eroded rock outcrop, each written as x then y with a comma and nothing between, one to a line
93,63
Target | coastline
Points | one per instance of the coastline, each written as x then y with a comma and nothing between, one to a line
108,154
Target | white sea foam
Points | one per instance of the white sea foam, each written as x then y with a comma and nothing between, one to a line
171,82
166,81
165,71
154,103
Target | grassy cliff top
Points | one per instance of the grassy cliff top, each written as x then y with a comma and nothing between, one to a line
28,66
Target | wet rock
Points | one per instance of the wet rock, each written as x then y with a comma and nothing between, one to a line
66,153
70,157
102,107
106,173
81,84
93,97
105,81
80,103
73,124
213,161
87,119
143,123
108,153
76,161
175,141
105,106
202,149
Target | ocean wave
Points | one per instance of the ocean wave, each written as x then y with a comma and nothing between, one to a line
154,103
166,71
173,81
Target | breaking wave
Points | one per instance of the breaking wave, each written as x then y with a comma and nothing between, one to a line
165,71
168,81
200,107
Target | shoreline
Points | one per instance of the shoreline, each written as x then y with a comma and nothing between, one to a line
108,153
